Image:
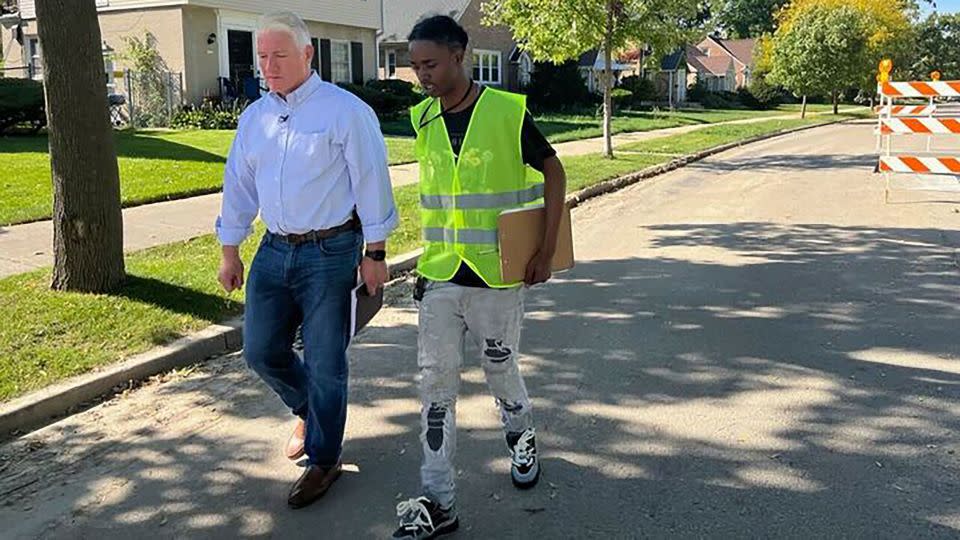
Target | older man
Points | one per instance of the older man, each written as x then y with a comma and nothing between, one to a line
309,157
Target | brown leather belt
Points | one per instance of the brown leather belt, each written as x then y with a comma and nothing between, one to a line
312,236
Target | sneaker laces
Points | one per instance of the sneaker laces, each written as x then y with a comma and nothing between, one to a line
524,450
414,515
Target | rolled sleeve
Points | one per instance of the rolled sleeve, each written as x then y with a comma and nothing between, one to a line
366,155
240,202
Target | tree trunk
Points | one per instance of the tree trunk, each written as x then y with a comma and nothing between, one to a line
87,222
803,108
836,102
608,86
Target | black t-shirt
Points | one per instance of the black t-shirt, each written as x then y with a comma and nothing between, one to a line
533,146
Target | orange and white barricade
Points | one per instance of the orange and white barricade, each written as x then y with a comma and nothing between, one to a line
906,110
896,120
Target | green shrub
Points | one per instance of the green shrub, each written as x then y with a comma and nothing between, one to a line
388,98
621,97
720,100
559,88
642,89
764,94
208,116
21,104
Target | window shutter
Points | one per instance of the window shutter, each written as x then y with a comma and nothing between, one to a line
315,62
325,71
356,56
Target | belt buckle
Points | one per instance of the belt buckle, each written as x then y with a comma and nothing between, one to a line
296,239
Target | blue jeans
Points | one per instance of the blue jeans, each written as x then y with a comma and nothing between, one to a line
306,284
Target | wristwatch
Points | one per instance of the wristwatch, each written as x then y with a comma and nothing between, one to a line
376,254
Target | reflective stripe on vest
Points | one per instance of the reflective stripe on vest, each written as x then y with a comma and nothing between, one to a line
461,236
474,201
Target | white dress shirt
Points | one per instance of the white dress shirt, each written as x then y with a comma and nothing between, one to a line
304,163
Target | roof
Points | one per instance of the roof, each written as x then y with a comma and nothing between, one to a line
594,60
589,58
715,65
741,49
672,61
399,16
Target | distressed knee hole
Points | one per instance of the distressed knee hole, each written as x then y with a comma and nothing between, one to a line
495,351
512,407
436,418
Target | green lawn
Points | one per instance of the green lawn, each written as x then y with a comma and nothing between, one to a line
162,165
707,137
565,127
154,166
172,290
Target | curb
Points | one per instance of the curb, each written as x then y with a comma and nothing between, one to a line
39,408
42,407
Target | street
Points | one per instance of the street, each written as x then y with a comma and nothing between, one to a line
751,346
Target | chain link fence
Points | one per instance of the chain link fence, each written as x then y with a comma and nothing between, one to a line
135,99
149,99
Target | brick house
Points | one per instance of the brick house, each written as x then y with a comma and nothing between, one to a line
721,64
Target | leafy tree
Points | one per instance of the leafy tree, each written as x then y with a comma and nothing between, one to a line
938,47
887,27
822,51
749,18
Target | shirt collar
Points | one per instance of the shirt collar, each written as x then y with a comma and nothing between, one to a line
302,93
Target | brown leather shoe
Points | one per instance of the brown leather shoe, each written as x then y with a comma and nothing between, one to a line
313,483
295,444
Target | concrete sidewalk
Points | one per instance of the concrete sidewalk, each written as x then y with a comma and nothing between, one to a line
29,247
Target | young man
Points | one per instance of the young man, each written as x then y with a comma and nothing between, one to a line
480,154
310,159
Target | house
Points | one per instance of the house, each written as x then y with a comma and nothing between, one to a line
591,64
671,80
209,44
721,64
494,58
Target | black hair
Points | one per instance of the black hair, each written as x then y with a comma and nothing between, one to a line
442,30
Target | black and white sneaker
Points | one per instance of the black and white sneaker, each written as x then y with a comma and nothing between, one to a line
525,466
422,518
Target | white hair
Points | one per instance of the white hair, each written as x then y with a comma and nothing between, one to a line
286,21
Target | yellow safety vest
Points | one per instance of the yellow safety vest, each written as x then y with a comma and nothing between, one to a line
461,199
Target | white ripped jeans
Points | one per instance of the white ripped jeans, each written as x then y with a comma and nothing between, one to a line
449,315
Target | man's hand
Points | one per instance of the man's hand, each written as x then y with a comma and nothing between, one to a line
538,269
231,269
374,274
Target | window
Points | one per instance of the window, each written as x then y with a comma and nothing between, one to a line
525,69
340,61
108,73
391,64
486,66
34,65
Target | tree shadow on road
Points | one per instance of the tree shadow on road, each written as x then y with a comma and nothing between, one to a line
752,379
788,162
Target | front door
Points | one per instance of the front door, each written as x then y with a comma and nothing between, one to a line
240,56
